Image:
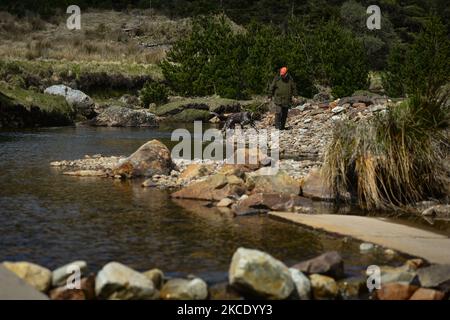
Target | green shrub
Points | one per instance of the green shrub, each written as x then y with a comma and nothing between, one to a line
153,92
423,67
216,60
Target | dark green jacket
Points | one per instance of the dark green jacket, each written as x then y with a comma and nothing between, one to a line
282,90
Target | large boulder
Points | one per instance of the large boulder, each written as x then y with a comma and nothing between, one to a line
262,181
33,274
258,274
213,188
119,282
150,159
117,116
329,263
264,202
80,101
184,289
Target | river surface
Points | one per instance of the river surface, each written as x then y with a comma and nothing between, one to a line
52,219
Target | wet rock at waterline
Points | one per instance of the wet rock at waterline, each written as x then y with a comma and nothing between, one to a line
117,116
264,202
80,101
315,187
117,281
329,263
266,181
60,275
33,274
255,273
213,188
150,159
184,289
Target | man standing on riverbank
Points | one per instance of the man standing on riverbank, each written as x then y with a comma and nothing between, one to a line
282,90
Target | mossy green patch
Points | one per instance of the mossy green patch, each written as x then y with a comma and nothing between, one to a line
49,103
213,104
190,115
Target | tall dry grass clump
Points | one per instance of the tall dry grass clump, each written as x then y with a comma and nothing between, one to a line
398,157
392,159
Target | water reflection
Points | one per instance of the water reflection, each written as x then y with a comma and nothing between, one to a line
52,219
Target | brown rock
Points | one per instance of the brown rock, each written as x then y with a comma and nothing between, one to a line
195,170
359,105
62,293
396,291
150,159
314,187
214,188
225,202
329,263
234,169
427,294
264,202
323,287
253,159
88,287
262,181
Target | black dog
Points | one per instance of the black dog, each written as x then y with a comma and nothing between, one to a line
241,118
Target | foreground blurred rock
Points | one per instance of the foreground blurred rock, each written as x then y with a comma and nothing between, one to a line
117,281
257,273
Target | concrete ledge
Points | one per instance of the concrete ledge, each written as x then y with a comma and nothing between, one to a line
14,288
413,241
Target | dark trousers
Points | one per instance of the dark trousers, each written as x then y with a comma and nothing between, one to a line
281,113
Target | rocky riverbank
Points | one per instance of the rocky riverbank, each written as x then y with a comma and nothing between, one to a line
252,274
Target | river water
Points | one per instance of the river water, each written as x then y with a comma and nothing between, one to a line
52,219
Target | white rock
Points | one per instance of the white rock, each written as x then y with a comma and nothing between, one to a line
60,275
183,289
117,281
337,109
257,273
302,284
366,247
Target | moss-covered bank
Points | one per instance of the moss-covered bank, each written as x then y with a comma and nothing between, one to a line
21,108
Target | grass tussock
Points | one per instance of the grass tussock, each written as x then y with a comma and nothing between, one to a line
392,159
